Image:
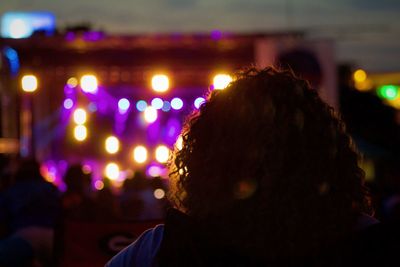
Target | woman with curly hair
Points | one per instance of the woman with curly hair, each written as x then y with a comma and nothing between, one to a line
267,176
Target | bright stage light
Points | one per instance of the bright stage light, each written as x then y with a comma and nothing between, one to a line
72,82
19,29
89,83
150,114
157,103
159,193
141,105
68,103
112,171
359,76
23,24
389,91
80,132
198,101
80,116
140,154
29,83
160,83
123,105
176,103
221,81
112,144
162,154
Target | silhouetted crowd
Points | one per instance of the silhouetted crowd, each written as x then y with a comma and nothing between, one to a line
33,212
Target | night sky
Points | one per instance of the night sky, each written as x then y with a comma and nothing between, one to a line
367,32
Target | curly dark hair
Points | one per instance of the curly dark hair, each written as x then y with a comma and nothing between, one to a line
266,160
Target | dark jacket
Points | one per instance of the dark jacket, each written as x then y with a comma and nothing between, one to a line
180,242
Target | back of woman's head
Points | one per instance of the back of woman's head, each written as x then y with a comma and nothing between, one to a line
269,166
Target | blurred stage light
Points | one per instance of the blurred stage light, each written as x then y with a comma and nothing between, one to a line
112,171
359,76
68,103
154,171
99,185
221,81
80,132
157,103
389,91
160,83
176,103
72,82
23,24
141,105
140,154
29,83
89,83
19,29
123,105
166,106
162,154
92,107
80,116
86,169
112,144
159,193
198,101
150,114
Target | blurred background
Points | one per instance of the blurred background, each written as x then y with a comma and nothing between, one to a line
93,95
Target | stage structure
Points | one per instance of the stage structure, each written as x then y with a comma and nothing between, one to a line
116,104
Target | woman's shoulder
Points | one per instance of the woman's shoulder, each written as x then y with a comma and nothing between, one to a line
142,252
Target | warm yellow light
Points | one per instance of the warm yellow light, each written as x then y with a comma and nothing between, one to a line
162,154
221,81
140,154
179,142
359,76
150,114
80,132
365,85
72,82
29,83
80,116
159,193
160,83
112,144
112,171
89,83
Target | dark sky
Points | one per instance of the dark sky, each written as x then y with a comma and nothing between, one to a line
366,32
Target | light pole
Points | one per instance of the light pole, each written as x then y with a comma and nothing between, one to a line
29,84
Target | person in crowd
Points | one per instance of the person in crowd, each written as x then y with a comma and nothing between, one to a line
267,176
29,210
106,204
77,202
139,200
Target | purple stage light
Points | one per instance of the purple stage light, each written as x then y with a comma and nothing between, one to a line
198,101
166,106
176,103
68,103
216,35
70,36
92,107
